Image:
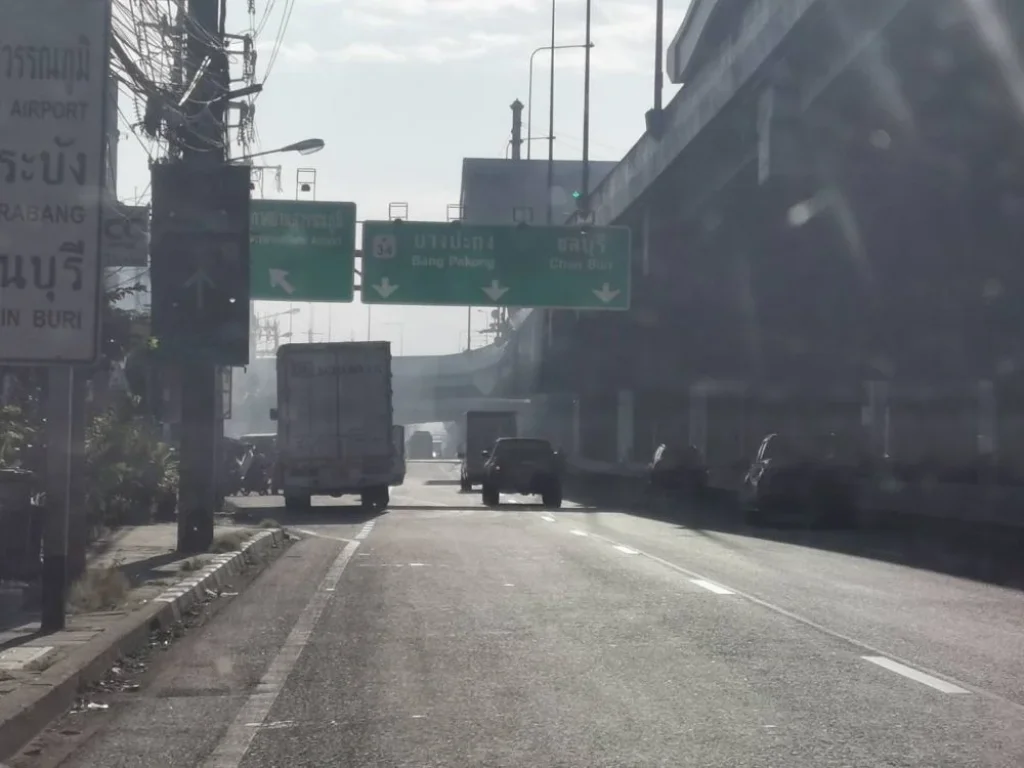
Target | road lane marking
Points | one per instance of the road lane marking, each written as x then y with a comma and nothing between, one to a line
234,745
626,550
307,532
547,518
578,532
364,531
710,586
914,674
872,650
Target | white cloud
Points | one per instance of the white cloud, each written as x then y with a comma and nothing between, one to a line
365,52
304,53
357,17
440,49
399,8
430,31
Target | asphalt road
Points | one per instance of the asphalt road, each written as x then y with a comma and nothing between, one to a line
446,634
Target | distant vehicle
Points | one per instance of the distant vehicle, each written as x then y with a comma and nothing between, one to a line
420,445
483,428
677,470
812,478
263,442
334,416
523,465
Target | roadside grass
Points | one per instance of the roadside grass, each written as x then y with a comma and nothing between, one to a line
229,542
99,589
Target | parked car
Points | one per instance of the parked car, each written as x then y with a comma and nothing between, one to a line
813,481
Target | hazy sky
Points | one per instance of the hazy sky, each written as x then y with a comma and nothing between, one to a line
402,90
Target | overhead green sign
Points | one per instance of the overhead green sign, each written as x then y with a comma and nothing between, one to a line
302,250
456,264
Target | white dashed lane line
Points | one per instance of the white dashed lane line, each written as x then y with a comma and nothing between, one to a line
547,518
914,674
710,586
874,655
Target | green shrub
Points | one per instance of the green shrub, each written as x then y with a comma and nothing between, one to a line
129,467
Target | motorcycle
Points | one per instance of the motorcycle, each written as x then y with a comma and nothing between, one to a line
257,480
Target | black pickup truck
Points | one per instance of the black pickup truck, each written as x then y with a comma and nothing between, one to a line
522,465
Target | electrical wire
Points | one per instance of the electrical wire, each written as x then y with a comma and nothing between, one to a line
279,38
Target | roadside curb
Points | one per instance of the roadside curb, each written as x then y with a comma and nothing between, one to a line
26,712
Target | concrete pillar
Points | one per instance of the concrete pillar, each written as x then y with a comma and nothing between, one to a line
624,427
875,416
577,447
987,443
699,419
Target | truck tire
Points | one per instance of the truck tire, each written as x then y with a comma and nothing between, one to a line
552,496
375,499
491,497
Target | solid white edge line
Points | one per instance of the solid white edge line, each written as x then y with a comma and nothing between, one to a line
235,743
364,531
710,586
914,674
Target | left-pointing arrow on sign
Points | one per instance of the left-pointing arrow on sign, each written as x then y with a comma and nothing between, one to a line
279,279
200,281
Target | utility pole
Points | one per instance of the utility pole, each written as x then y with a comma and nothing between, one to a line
195,212
205,65
517,129
551,117
585,191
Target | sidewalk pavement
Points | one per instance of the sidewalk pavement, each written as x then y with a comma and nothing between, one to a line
136,584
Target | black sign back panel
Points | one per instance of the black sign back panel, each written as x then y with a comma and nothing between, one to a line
200,263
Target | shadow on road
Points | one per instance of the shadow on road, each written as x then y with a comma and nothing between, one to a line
348,514
427,507
140,571
944,546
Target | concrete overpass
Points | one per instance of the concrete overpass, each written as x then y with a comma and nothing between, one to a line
802,214
720,49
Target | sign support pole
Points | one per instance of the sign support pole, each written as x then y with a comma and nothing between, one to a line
60,385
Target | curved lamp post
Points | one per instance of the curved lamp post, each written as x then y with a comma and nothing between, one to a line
304,147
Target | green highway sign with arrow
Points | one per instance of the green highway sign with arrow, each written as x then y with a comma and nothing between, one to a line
302,250
455,264
199,283
200,264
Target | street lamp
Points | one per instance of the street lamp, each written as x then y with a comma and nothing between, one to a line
585,192
529,97
304,147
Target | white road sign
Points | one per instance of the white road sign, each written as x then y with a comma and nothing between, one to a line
53,81
125,235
